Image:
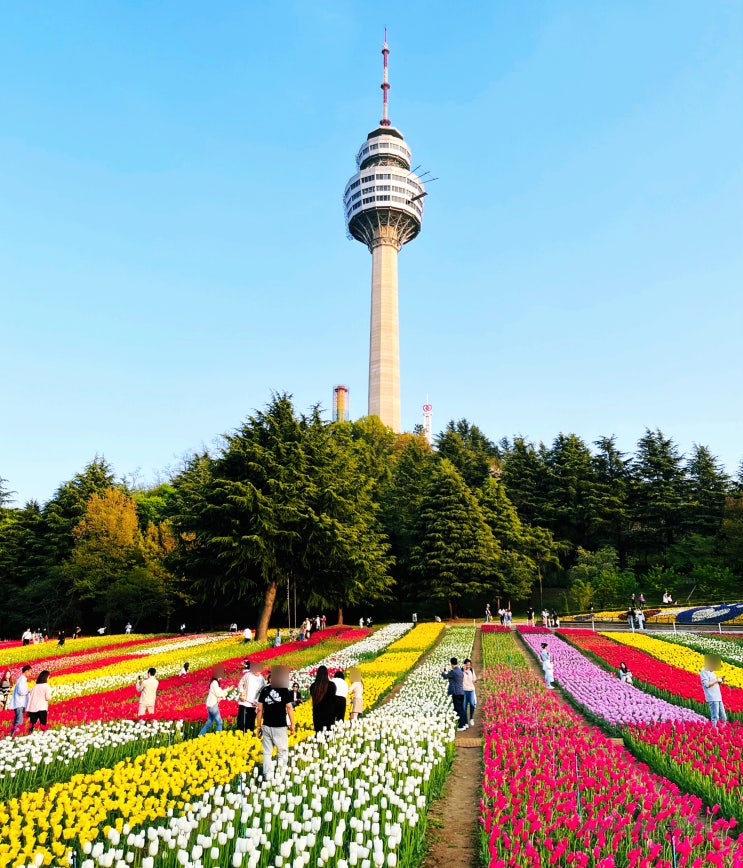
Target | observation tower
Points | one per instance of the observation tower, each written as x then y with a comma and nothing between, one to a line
383,203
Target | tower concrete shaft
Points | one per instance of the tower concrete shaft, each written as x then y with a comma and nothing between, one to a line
384,340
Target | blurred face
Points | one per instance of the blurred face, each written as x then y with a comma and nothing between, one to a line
280,676
712,662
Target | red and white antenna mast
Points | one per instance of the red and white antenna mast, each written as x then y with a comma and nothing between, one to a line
385,122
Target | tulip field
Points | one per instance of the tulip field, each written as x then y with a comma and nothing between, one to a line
558,793
99,787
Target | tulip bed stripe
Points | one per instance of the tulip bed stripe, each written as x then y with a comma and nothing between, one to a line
557,793
54,756
603,696
701,759
182,698
676,655
728,650
652,675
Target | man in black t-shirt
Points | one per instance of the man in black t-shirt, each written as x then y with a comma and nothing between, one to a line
274,711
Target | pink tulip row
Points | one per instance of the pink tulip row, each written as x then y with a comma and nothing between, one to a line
700,758
558,793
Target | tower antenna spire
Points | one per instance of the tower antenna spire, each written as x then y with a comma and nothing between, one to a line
385,122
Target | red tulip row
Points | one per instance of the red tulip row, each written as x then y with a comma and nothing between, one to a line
182,698
672,682
558,793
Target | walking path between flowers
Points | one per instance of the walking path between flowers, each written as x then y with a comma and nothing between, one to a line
452,838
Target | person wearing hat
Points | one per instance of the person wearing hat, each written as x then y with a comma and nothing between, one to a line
249,686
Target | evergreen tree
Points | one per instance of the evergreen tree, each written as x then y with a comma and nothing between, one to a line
658,501
524,475
347,559
572,492
454,554
400,501
469,450
707,487
242,515
613,481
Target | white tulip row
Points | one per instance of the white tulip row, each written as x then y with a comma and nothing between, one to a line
354,796
423,693
122,679
354,654
30,753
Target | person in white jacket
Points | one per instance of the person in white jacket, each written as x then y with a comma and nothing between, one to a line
213,717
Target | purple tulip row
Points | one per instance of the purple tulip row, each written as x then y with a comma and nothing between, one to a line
601,692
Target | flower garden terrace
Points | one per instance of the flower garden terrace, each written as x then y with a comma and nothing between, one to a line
555,789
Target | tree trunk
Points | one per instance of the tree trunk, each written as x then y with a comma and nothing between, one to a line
451,611
340,616
268,600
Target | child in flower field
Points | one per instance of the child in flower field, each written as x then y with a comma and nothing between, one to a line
624,673
4,689
356,693
38,701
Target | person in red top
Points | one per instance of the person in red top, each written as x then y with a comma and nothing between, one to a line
38,701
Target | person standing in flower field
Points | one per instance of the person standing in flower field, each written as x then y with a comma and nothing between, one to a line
275,719
249,687
356,693
38,701
470,700
711,685
213,698
5,686
455,678
322,694
547,667
147,690
341,694
19,699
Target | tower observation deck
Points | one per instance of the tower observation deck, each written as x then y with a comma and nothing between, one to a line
383,204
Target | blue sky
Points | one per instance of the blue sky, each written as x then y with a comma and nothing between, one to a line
172,244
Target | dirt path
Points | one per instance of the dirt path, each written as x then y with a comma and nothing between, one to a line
452,836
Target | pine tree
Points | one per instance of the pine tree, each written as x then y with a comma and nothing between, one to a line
469,450
454,554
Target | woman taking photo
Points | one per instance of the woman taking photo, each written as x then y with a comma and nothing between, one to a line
322,693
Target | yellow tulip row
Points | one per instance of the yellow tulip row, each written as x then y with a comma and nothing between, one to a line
419,639
166,662
132,791
676,655
29,653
